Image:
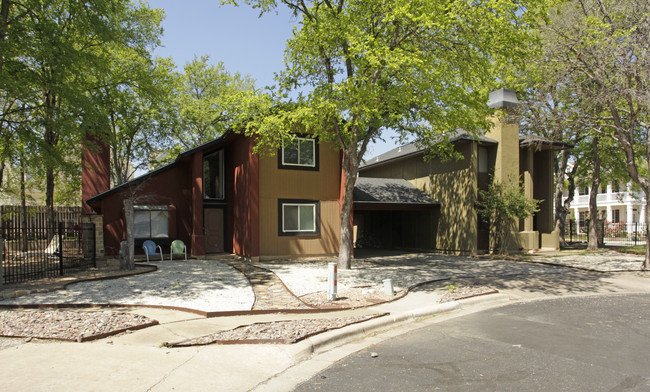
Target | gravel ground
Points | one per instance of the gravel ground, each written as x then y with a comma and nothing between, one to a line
207,285
287,331
66,325
607,261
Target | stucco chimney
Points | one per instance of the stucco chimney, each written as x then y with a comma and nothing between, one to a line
506,132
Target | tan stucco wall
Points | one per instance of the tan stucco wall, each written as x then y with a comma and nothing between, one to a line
320,185
453,184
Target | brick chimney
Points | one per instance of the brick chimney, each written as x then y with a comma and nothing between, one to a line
95,170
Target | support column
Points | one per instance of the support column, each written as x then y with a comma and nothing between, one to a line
642,215
609,214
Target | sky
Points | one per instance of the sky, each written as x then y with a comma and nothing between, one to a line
236,36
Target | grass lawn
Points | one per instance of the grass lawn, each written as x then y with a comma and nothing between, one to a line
638,249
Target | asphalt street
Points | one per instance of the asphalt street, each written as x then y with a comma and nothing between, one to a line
587,343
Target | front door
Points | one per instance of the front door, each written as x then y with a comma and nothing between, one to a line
214,235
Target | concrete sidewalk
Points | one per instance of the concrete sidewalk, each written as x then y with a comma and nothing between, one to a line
138,362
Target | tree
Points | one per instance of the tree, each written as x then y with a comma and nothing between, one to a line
503,205
602,45
209,101
50,50
420,67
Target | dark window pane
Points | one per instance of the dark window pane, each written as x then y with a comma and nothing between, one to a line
290,154
290,218
307,218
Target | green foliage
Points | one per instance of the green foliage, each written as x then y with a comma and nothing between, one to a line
210,100
55,57
355,68
503,205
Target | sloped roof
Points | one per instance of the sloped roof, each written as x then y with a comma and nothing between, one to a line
221,139
540,141
413,148
385,191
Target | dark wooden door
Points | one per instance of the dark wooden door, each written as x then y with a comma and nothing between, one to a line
214,234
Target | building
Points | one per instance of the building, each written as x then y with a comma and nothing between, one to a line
453,225
618,204
221,197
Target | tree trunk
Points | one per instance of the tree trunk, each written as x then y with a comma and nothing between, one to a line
560,210
593,199
129,263
350,167
646,261
4,24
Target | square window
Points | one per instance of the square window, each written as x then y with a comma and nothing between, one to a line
150,221
301,154
299,217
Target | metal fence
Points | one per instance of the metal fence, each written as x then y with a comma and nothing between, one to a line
621,233
30,253
33,218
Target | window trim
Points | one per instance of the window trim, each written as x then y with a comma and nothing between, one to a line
299,202
294,166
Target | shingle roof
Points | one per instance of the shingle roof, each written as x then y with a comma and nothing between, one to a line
414,148
368,190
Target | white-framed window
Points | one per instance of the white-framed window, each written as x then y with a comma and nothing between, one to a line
299,217
302,153
151,221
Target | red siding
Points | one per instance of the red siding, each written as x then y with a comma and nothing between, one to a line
171,187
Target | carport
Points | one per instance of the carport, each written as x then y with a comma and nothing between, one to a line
393,214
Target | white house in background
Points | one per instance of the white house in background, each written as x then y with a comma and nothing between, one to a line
617,204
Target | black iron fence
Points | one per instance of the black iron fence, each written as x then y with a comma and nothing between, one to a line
620,233
29,253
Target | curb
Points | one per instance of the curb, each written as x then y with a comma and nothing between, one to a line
320,342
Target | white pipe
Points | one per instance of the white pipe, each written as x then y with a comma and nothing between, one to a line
331,281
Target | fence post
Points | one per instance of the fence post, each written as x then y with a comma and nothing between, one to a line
94,237
570,230
2,262
636,232
60,234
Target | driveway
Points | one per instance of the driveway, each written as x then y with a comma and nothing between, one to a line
207,285
407,270
212,286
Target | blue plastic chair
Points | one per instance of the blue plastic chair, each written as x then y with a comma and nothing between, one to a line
150,249
178,248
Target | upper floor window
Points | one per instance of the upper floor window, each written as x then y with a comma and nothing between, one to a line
302,153
583,190
615,187
150,221
213,176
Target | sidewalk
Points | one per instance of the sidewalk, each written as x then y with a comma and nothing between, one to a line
137,361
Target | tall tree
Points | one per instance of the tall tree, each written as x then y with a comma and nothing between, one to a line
209,100
603,45
49,50
420,67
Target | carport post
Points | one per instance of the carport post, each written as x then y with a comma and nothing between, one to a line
331,281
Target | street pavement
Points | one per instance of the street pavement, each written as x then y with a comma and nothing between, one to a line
138,361
594,343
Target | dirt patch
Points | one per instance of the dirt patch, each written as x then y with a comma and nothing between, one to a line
286,332
354,297
455,293
69,325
